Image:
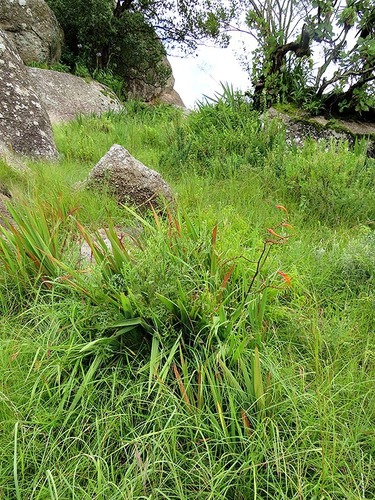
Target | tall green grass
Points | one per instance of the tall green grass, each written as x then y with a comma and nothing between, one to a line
215,353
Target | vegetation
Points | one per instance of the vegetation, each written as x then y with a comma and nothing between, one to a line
128,39
223,349
319,54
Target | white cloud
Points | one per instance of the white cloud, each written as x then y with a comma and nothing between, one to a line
201,74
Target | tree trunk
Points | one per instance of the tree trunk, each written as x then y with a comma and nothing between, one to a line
300,48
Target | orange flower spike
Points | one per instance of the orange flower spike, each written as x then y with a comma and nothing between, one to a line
275,234
285,224
281,207
287,279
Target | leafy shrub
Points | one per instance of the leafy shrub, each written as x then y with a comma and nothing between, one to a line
81,70
174,277
107,78
170,280
62,68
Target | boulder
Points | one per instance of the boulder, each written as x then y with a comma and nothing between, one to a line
158,92
24,124
64,95
171,96
33,28
122,175
12,160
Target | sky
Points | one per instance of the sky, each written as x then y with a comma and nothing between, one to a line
201,74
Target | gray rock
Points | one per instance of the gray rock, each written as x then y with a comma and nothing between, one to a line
12,160
171,96
33,28
128,179
24,124
162,92
300,128
64,95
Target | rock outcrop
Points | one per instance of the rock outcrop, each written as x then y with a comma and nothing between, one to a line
64,95
302,126
24,124
158,92
169,95
33,28
122,175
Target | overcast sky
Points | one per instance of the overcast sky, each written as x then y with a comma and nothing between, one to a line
201,74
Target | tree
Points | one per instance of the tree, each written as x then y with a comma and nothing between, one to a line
129,37
291,33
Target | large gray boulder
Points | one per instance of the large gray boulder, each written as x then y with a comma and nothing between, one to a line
65,95
119,173
33,28
24,124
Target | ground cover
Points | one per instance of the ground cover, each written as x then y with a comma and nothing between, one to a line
227,351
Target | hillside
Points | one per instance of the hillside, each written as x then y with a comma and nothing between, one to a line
224,348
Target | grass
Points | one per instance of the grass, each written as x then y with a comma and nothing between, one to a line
203,359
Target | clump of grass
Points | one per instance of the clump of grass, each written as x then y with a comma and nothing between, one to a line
328,182
223,136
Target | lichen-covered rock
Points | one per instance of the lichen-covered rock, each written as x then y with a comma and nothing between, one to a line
12,160
33,28
128,179
64,95
24,124
302,127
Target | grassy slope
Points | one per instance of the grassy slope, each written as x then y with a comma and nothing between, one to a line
194,414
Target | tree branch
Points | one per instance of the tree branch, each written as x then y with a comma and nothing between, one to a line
342,76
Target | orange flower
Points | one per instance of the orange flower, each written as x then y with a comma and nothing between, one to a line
281,207
275,234
287,279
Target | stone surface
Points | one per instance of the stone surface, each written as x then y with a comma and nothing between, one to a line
33,28
24,124
65,95
128,179
318,128
162,93
11,159
170,96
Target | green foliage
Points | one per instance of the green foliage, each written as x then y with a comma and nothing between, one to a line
126,39
292,35
208,300
186,363
62,68
223,136
343,191
33,243
113,48
111,81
